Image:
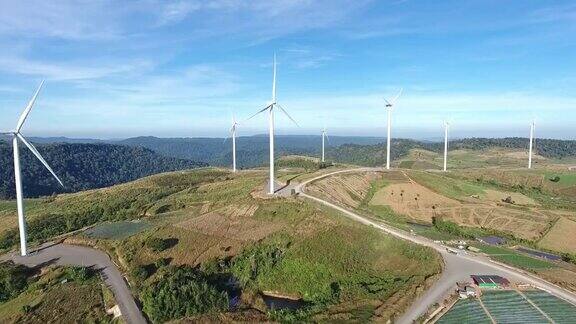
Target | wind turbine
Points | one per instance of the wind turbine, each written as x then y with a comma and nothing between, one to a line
446,126
270,108
324,137
532,127
16,136
233,135
389,105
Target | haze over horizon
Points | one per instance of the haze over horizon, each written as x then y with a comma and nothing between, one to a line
179,68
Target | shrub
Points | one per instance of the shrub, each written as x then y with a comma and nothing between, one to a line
13,280
179,292
450,228
140,273
157,244
79,274
162,262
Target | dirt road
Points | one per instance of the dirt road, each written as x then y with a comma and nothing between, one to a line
64,254
458,267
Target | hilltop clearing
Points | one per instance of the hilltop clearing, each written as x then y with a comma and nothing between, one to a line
205,230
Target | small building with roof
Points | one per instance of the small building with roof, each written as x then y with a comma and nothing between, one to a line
490,281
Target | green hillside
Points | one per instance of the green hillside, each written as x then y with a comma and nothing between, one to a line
82,166
206,226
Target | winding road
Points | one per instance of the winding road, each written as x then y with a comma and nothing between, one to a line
65,254
458,267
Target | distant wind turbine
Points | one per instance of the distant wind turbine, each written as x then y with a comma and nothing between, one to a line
324,137
233,135
16,136
270,108
389,105
532,127
446,126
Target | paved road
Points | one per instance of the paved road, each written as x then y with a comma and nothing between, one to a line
458,267
64,254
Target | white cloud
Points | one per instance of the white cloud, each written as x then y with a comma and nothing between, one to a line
76,20
69,71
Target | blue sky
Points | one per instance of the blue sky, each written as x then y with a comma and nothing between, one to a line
179,68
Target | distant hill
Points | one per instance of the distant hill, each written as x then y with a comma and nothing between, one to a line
251,151
82,166
374,155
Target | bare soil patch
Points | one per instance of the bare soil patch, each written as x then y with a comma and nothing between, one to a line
497,196
422,204
412,199
232,222
525,224
562,277
347,189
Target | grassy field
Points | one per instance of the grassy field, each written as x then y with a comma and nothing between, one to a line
50,299
446,186
514,258
561,236
116,230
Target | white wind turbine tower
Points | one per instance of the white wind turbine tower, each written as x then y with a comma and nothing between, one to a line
270,108
233,135
446,126
16,136
389,105
324,137
532,127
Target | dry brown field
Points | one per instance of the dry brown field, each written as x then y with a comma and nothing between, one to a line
561,237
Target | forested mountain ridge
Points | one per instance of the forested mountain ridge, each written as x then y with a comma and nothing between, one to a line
82,167
88,166
251,151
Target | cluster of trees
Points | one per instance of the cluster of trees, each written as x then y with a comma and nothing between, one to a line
13,280
181,291
82,167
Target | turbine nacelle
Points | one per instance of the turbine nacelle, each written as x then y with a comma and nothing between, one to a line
392,102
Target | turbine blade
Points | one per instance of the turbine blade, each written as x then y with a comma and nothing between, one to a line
37,154
287,115
327,138
397,96
28,108
387,102
260,111
274,81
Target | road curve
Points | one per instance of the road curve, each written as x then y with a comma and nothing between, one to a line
65,254
458,267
